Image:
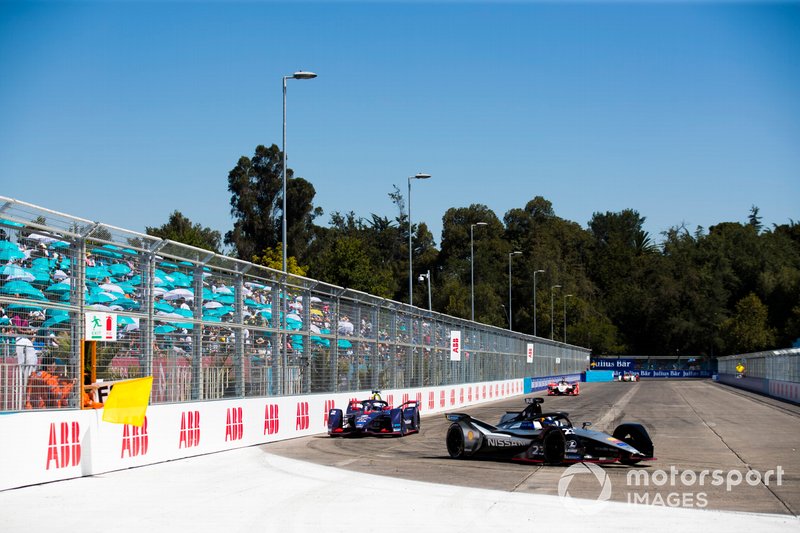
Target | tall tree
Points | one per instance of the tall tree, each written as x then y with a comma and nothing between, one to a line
256,187
180,229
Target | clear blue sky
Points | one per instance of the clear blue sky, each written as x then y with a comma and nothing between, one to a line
125,111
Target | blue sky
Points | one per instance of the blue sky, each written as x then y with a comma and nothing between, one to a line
125,111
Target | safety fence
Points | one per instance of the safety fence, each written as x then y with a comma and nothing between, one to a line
774,373
208,326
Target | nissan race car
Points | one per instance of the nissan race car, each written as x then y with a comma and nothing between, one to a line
628,376
550,438
563,388
374,417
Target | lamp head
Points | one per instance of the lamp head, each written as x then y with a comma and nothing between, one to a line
304,75
422,176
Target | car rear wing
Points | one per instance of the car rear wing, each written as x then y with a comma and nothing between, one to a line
457,417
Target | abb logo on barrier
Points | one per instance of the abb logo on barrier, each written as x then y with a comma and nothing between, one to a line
329,404
490,392
64,445
234,424
461,396
405,397
190,429
452,396
419,401
390,399
271,420
303,420
134,440
431,400
497,390
441,399
484,392
469,394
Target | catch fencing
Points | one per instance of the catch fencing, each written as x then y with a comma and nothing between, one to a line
774,373
207,326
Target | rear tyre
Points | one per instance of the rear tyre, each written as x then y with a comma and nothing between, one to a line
553,443
455,442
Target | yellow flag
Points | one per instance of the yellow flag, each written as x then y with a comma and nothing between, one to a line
127,401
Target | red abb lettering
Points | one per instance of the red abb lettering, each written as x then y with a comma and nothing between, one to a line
134,440
329,404
431,400
63,446
271,419
234,425
302,421
190,429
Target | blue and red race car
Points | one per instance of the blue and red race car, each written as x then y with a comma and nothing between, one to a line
374,417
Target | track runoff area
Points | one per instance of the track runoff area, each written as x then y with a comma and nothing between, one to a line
716,448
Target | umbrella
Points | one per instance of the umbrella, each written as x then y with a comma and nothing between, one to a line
101,298
342,343
223,290
11,223
97,272
321,341
4,320
314,329
184,325
123,320
167,264
57,319
58,288
211,318
106,253
346,328
176,294
23,307
183,312
125,303
316,312
163,306
163,329
9,251
58,244
100,307
22,288
179,279
212,305
59,274
110,287
119,269
12,271
226,299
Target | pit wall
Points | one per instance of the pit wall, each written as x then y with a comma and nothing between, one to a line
776,388
43,446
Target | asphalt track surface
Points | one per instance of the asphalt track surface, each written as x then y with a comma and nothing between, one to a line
697,426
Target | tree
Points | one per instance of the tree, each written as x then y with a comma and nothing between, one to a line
180,229
747,330
256,187
273,258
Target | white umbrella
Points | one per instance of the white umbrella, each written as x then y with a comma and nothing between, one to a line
176,294
346,327
110,287
59,275
212,305
223,290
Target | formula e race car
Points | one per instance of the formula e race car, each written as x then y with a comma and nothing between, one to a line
563,388
549,438
374,417
628,376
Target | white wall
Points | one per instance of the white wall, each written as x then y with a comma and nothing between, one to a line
42,446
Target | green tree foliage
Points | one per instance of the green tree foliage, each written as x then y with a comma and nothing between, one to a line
180,229
747,330
273,258
256,187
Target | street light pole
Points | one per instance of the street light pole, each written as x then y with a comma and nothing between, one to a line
472,266
418,176
300,75
534,299
552,307
565,316
427,276
509,286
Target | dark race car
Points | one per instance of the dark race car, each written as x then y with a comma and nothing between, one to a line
374,417
549,438
563,388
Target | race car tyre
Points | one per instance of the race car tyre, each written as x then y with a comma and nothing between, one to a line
416,421
553,444
455,442
635,435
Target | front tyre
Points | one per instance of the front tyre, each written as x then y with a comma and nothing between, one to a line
455,441
553,444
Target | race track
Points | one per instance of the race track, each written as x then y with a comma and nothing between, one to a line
697,427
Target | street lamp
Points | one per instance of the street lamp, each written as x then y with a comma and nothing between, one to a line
509,286
419,176
472,266
300,75
534,299
565,315
423,277
552,316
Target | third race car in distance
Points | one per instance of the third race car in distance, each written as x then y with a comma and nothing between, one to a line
563,388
